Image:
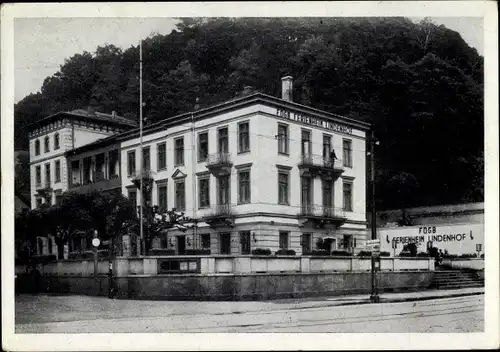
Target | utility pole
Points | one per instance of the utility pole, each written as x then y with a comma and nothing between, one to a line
374,298
142,151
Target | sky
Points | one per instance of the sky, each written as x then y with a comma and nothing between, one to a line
42,44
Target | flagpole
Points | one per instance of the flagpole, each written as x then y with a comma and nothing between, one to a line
141,151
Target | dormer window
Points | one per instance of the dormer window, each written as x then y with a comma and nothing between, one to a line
46,145
37,147
56,141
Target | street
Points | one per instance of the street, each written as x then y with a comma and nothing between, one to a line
82,314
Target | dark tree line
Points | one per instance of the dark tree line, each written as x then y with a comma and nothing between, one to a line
420,85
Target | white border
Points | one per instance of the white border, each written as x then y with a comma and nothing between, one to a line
77,342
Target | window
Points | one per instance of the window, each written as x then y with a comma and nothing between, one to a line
244,187
162,198
306,194
245,242
75,172
282,139
283,178
37,147
99,169
161,149
179,151
223,140
132,195
347,143
327,146
327,193
38,173
204,191
202,146
306,142
205,240
284,239
225,243
38,202
113,163
243,137
58,199
58,171
180,195
46,144
306,243
49,245
47,174
347,189
146,158
348,242
131,163
223,191
86,170
56,141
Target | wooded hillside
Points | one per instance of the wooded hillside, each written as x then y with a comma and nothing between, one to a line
420,85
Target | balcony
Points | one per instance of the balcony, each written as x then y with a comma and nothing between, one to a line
44,189
147,177
220,216
321,216
99,183
219,164
312,165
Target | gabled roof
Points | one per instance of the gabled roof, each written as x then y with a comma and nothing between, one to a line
220,108
81,114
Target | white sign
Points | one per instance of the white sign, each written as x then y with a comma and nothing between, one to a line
96,242
373,242
373,245
456,239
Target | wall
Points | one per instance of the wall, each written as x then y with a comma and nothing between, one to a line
470,235
231,286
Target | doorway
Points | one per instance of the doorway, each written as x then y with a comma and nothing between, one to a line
181,244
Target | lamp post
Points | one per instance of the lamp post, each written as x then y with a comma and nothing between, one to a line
374,297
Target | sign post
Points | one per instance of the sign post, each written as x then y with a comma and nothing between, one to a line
374,247
394,247
95,242
478,249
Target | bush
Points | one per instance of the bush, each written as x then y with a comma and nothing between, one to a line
482,255
261,251
285,252
203,251
364,254
341,253
43,259
385,254
405,254
83,255
468,255
422,255
161,251
319,252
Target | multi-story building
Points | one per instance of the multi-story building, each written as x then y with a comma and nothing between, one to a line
256,172
53,136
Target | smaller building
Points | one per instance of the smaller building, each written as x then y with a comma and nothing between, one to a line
457,229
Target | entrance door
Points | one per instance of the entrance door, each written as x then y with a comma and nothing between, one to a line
225,243
181,244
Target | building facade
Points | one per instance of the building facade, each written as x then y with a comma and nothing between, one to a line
254,172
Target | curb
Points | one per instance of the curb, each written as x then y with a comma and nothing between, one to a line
410,299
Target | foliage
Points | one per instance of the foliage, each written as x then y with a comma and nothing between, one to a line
285,252
364,254
161,251
418,83
385,254
204,251
405,254
341,253
412,248
320,252
423,254
261,251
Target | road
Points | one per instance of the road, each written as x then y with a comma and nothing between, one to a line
81,314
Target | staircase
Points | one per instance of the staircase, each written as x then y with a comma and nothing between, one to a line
453,279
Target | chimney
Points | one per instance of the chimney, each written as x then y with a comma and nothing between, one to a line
247,90
287,88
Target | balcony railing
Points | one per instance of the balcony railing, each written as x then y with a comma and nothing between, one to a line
220,215
321,211
43,185
219,163
320,161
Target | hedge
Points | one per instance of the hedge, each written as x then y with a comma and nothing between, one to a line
341,253
285,252
261,251
204,251
319,252
161,251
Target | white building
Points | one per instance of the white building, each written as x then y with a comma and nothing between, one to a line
256,172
